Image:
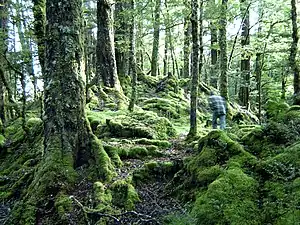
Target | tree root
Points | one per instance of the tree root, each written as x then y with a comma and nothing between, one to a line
117,218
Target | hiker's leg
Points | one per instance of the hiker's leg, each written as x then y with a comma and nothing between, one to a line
222,122
214,120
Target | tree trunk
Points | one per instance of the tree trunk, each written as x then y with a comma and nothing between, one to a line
155,47
186,47
106,62
258,81
223,51
39,13
122,38
201,39
3,33
213,55
132,60
195,68
68,142
293,54
245,61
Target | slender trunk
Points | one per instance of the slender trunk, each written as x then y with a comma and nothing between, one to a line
186,47
258,81
201,49
283,84
122,31
39,13
166,58
223,51
132,60
3,33
106,62
245,61
293,54
195,68
213,55
155,47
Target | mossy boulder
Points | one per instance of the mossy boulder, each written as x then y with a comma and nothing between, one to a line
138,125
230,199
101,197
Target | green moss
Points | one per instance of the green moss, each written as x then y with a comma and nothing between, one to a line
103,168
113,154
153,169
137,152
102,197
124,194
63,205
159,143
230,199
2,140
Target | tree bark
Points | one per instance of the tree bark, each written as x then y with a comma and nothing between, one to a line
155,47
245,60
293,54
213,55
195,68
186,47
223,51
3,33
106,62
39,13
122,38
132,60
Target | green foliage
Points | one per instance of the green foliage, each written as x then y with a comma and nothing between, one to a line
63,205
102,197
276,109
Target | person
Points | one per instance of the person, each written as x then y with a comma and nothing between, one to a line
218,106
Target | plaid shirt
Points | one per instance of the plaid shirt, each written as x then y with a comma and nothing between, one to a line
217,104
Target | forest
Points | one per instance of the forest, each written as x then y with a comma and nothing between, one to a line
105,115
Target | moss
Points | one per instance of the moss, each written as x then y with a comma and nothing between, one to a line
137,152
2,141
63,205
153,169
103,168
230,199
124,194
102,197
113,154
276,109
159,143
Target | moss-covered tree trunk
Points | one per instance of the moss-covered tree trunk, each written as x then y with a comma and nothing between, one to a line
213,55
223,50
155,46
39,12
122,38
201,46
186,47
195,67
132,59
293,54
244,91
3,35
68,142
106,61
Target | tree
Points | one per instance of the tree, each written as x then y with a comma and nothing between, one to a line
293,54
132,59
186,47
195,67
39,12
68,142
223,50
106,62
245,60
155,46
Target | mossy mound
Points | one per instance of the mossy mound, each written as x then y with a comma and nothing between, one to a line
168,108
156,170
270,139
124,194
230,199
137,125
275,110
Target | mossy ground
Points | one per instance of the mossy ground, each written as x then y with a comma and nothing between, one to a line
248,174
